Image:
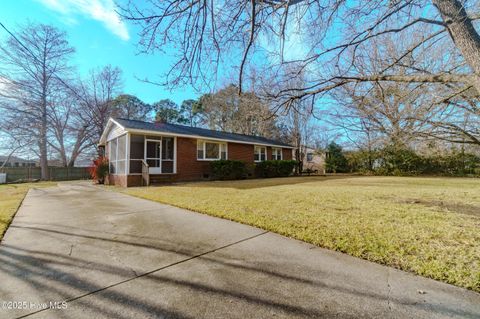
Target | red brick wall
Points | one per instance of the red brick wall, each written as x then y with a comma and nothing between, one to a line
119,180
188,167
134,180
286,154
240,152
269,153
124,180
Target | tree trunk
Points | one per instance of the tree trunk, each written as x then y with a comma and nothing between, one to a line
298,168
463,34
63,152
43,152
43,139
43,124
77,149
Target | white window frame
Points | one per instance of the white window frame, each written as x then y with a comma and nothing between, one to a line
259,148
221,146
276,151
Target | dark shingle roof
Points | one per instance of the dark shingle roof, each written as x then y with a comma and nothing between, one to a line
196,131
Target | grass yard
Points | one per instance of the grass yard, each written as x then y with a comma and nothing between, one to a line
11,195
429,226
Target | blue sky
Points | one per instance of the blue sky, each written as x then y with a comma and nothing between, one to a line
100,38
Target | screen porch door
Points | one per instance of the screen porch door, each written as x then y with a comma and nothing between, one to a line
153,156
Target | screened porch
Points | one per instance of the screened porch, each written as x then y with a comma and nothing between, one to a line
131,154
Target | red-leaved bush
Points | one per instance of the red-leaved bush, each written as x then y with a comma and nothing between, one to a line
99,170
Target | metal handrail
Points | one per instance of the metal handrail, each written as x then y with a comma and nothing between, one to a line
145,174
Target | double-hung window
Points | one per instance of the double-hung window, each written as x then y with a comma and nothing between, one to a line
276,154
211,151
260,153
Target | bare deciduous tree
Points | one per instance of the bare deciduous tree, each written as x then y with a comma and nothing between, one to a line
12,144
206,33
225,110
34,62
298,119
458,121
69,135
96,96
400,112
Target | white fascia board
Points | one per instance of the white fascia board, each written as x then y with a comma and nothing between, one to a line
111,119
103,138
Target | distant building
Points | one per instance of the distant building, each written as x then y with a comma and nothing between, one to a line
14,161
54,163
313,160
59,163
83,163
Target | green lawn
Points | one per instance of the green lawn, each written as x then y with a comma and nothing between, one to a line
429,226
11,195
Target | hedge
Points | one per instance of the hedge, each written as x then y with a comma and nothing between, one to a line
274,168
228,169
403,161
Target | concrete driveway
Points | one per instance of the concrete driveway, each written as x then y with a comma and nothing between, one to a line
109,255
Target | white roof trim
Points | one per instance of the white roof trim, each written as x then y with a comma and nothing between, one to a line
117,123
103,138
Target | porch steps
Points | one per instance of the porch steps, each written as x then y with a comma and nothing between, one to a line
156,179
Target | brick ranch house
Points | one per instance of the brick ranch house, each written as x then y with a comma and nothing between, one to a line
141,153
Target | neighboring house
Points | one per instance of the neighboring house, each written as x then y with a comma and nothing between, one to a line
140,152
83,163
59,163
14,161
54,163
313,160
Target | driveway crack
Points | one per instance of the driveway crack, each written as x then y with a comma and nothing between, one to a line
152,271
389,290
71,250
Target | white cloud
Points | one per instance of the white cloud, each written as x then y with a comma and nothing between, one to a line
100,10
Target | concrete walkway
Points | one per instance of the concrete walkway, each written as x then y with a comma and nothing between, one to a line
110,255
